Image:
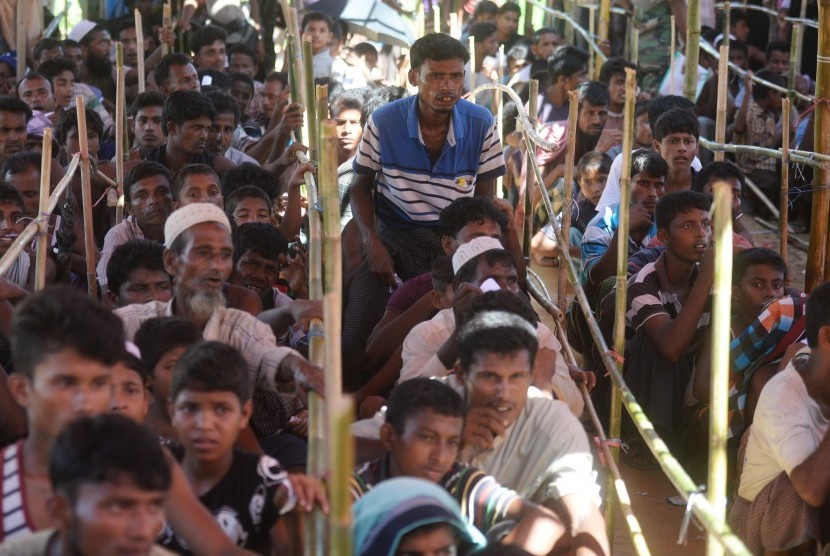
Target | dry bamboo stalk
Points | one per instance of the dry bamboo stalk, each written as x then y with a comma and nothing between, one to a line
723,79
570,156
593,65
727,23
794,57
43,210
314,532
527,232
86,193
139,39
120,114
455,30
294,68
604,21
498,110
310,106
635,45
784,210
817,268
322,95
436,17
812,159
719,420
341,450
473,68
692,49
671,55
166,21
20,41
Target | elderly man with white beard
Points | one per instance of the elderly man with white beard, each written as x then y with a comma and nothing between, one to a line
199,256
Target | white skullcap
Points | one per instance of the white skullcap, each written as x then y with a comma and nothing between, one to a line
473,248
81,30
190,215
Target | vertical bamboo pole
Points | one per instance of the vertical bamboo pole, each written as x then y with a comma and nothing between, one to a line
594,62
527,232
570,155
723,80
20,41
327,178
498,110
86,194
719,420
692,49
294,68
341,447
635,45
473,67
672,48
139,39
784,206
604,23
120,128
727,18
455,29
794,57
436,16
622,267
422,19
310,105
166,21
43,209
314,531
816,268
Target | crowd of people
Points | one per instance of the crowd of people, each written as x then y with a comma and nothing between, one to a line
169,414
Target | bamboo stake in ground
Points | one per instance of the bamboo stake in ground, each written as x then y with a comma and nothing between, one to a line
723,80
726,14
341,447
310,105
327,179
692,49
166,21
784,210
436,16
120,114
455,30
718,413
570,155
622,268
527,231
314,531
472,67
20,40
817,269
43,210
671,54
86,197
139,39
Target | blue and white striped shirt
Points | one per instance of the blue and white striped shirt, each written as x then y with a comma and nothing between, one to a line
409,190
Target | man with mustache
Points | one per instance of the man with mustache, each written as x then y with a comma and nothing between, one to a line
14,115
416,156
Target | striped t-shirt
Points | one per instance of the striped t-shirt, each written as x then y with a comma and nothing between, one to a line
411,191
15,520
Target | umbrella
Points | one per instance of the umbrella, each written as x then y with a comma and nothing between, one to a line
372,18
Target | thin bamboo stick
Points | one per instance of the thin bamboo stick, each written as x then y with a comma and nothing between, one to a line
785,178
473,67
455,29
86,194
723,80
794,57
812,159
139,39
327,178
817,268
727,23
20,40
43,210
635,45
310,105
293,65
718,413
570,155
604,21
527,231
593,65
436,16
498,110
120,113
341,447
692,49
314,532
672,48
166,21
322,95
422,19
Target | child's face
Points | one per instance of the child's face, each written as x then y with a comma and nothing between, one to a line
252,209
430,541
208,423
320,35
688,235
736,192
129,396
678,150
759,286
428,446
163,373
642,131
443,300
592,183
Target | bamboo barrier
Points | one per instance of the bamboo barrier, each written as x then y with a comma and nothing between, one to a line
166,21
812,159
86,193
697,504
769,11
720,121
726,23
310,120
527,224
43,210
570,155
572,25
818,262
672,47
20,42
341,446
692,49
784,202
473,67
795,58
120,128
314,530
139,39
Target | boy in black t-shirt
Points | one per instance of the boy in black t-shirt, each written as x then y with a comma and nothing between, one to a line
210,398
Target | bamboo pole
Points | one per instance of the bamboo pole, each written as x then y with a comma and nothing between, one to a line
120,128
727,23
314,531
604,22
719,410
86,193
570,155
166,21
593,65
310,105
473,67
139,39
817,269
784,210
341,447
293,65
498,110
455,29
327,178
422,20
635,45
43,210
20,41
692,49
436,16
527,228
672,48
812,159
794,57
723,80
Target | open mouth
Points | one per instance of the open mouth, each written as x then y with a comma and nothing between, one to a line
8,239
446,98
254,288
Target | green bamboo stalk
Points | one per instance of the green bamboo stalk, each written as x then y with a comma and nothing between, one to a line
341,450
333,284
314,532
692,49
310,106
43,210
720,115
121,137
527,228
292,65
818,265
795,55
570,156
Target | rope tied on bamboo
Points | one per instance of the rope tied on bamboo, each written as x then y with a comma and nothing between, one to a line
687,515
812,107
612,442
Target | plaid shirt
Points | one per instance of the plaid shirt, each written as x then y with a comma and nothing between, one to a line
759,132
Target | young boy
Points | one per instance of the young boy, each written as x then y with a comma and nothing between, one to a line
210,403
135,274
130,386
248,204
319,26
675,137
161,342
196,183
12,209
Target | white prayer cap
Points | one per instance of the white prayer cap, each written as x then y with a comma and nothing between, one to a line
190,215
81,30
473,248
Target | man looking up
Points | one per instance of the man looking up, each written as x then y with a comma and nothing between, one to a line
36,91
450,149
135,274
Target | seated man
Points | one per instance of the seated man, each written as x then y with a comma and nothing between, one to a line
422,433
144,118
135,274
102,462
12,223
784,484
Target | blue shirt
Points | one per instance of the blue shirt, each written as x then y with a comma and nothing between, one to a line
410,190
599,233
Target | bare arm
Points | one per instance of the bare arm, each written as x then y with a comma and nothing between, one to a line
740,119
538,529
363,213
810,479
587,526
392,329
485,188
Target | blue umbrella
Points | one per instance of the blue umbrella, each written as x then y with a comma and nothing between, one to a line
372,18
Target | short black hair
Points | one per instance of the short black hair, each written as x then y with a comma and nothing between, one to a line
736,15
662,104
738,45
130,256
144,100
69,120
497,332
54,67
818,313
212,367
481,30
365,49
13,104
144,169
61,317
183,106
566,61
718,169
247,79
464,210
162,71
612,67
412,396
593,93
31,74
21,161
279,77
218,80
438,47
594,160
648,162
316,16
10,193
755,256
224,103
677,120
206,36
260,238
468,270
70,43
510,7
240,48
759,90
502,300
249,173
679,202
240,193
352,99
380,97
442,274
41,46
486,7
641,107
190,170
777,46
157,336
539,33
107,448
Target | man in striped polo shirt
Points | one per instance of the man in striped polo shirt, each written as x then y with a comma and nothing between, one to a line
417,155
